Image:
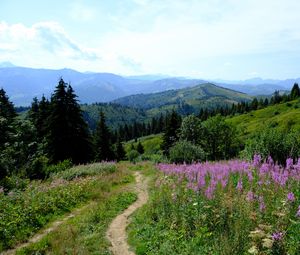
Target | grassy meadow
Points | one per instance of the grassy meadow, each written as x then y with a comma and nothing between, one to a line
100,188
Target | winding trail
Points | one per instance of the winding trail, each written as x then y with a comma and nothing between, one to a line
54,225
116,233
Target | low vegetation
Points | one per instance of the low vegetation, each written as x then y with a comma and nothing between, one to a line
24,212
228,207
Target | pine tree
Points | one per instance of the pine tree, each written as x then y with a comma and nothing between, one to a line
7,118
7,132
68,136
140,148
120,152
103,140
171,134
295,92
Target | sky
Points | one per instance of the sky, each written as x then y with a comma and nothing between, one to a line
211,39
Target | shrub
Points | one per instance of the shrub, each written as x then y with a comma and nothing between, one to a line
275,143
185,151
132,155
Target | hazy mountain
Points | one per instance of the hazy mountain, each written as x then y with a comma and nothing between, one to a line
22,84
189,99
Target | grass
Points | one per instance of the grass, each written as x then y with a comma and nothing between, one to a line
24,213
85,234
284,116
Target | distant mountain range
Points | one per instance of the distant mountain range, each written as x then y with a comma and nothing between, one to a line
187,100
22,84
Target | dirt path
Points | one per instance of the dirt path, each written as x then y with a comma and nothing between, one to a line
46,231
116,233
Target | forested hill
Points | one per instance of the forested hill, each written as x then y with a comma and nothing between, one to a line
205,95
115,114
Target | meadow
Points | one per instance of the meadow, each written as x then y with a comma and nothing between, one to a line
99,188
226,207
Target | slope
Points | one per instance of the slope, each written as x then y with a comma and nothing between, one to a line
284,116
191,99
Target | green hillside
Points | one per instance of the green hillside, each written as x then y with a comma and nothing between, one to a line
284,116
190,99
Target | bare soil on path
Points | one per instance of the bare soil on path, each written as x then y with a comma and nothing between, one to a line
36,238
116,233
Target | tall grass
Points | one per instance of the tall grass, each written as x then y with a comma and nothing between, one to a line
23,213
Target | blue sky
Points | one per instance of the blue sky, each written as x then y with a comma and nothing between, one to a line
226,39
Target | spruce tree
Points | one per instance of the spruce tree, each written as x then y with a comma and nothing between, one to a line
295,92
7,132
171,134
140,148
103,140
7,118
68,136
120,152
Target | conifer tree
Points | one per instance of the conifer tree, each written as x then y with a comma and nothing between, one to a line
120,152
68,136
171,134
7,118
295,92
140,148
103,140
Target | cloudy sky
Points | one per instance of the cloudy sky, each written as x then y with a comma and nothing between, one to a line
227,39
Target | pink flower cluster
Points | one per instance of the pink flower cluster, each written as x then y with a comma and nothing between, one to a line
206,177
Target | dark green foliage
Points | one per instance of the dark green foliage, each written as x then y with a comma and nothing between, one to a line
191,129
38,115
295,92
171,134
219,139
103,142
68,136
278,144
7,118
185,151
120,153
140,148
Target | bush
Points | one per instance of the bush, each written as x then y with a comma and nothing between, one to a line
275,143
59,167
185,151
13,183
132,156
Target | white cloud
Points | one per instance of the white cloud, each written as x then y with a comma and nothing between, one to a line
44,43
182,37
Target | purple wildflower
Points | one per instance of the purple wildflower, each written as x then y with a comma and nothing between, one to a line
250,196
291,197
277,236
239,185
289,163
256,160
262,206
298,212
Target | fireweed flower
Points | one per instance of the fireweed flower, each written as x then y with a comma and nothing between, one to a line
298,212
291,197
277,236
250,196
289,163
239,185
256,160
